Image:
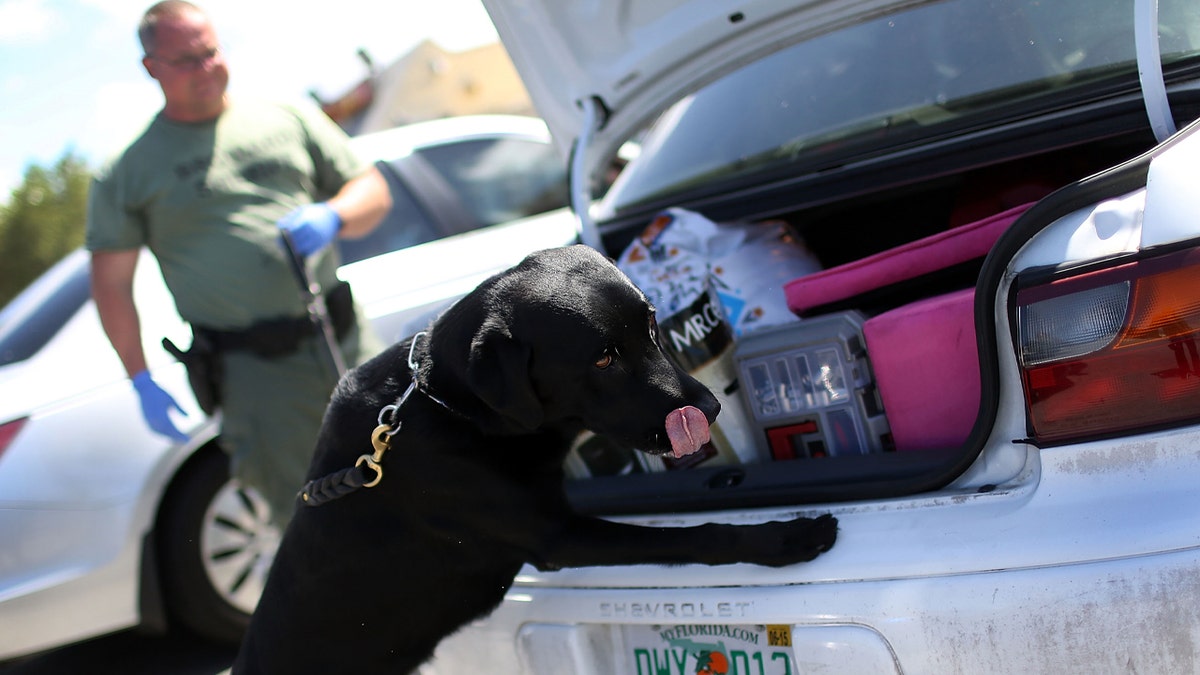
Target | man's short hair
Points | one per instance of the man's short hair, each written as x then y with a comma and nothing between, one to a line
148,26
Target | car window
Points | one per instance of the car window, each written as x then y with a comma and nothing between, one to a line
502,179
891,81
406,224
35,316
496,180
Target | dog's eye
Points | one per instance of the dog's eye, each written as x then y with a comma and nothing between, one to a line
605,360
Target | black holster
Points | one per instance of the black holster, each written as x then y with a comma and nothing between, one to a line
205,370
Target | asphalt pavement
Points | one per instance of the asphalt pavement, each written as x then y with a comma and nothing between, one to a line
129,653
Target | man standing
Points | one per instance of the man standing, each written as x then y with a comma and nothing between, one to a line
207,187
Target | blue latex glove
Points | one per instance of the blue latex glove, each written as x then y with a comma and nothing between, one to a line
156,407
312,227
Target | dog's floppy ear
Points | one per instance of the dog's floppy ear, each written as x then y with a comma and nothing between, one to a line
498,373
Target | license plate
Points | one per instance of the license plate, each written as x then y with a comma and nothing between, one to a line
715,649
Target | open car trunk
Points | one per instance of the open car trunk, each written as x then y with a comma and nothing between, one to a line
913,148
913,248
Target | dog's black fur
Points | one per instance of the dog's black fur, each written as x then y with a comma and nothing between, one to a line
473,489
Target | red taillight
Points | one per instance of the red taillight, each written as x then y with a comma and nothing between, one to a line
9,431
1112,351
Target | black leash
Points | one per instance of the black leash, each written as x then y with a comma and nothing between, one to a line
341,483
333,486
314,302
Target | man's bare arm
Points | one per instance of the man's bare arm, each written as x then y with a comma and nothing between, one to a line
112,288
362,203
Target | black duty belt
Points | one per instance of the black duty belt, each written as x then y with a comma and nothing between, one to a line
273,338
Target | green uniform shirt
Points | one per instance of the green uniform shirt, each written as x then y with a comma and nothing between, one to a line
205,198
179,183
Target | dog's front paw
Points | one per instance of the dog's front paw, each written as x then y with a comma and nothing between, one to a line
800,540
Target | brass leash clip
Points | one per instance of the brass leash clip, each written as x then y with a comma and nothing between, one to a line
333,486
381,440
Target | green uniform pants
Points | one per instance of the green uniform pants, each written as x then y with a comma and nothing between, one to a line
272,410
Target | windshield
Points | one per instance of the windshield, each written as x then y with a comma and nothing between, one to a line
892,80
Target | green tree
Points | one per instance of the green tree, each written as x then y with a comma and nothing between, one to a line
42,222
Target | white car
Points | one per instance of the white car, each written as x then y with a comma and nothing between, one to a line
106,525
1004,199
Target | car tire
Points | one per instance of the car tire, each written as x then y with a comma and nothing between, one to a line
216,544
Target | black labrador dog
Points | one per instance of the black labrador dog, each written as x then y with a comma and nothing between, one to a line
469,486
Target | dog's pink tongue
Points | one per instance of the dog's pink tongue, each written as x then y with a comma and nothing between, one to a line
688,430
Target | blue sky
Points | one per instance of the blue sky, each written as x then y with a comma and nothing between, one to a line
71,75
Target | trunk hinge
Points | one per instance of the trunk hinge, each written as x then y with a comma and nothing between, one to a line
1154,88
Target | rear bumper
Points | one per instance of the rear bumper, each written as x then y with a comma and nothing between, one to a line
1140,613
1087,560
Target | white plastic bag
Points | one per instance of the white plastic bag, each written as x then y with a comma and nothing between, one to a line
746,264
